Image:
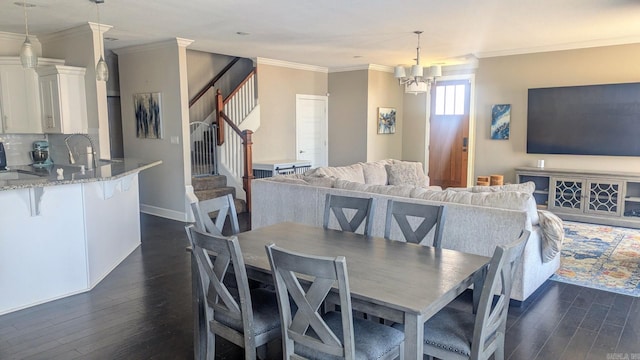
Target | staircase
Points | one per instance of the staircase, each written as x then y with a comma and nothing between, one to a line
209,187
221,142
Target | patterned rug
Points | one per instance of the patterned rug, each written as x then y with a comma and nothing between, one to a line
601,257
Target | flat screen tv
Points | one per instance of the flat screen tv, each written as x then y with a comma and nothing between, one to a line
584,120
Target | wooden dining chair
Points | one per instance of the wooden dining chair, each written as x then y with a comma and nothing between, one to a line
456,334
430,217
224,206
247,318
309,334
363,208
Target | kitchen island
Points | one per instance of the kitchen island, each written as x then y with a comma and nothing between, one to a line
64,228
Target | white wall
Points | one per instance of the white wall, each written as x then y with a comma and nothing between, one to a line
278,85
415,135
355,96
383,91
159,67
348,117
506,79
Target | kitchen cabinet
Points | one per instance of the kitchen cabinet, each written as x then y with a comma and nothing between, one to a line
19,99
63,99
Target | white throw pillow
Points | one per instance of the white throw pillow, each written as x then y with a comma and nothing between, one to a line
527,187
423,180
503,200
375,172
352,172
350,185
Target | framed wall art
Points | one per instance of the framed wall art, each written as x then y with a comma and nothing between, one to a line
386,120
500,121
147,108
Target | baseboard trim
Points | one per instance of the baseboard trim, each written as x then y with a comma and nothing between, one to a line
164,213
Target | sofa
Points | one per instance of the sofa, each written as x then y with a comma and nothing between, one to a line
477,218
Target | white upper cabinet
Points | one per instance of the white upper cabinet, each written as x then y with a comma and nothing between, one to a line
19,100
63,99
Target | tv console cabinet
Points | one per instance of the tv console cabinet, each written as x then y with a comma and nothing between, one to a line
601,197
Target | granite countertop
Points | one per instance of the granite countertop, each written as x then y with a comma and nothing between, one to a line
27,176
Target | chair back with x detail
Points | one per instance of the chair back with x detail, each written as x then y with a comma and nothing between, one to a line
231,312
432,216
309,334
491,318
455,334
225,207
363,208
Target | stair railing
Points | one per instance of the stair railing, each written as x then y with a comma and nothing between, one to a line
203,150
236,151
213,82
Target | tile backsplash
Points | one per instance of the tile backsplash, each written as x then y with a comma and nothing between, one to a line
18,147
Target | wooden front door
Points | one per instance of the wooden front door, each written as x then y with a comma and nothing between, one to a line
449,133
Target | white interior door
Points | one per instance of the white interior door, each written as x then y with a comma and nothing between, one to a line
312,129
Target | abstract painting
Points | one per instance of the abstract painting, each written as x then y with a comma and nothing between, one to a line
386,120
148,116
500,121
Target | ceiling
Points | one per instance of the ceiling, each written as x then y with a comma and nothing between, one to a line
343,33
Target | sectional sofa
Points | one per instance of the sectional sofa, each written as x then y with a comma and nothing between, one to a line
477,218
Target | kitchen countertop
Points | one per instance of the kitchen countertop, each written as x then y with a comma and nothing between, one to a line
27,176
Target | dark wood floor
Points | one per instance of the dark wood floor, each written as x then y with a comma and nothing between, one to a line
142,310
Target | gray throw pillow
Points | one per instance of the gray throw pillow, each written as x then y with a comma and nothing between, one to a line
403,174
552,234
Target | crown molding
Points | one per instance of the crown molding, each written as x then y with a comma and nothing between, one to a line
382,68
180,42
349,68
291,65
560,47
102,28
80,30
13,36
460,69
18,38
15,60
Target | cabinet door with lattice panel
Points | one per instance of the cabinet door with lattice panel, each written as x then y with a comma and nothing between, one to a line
567,194
603,197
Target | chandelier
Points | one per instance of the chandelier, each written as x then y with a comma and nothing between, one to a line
417,81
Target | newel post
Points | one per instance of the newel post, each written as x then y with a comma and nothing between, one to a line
248,165
219,121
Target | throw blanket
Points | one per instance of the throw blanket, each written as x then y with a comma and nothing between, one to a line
552,234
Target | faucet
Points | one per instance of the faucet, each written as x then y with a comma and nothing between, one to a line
92,153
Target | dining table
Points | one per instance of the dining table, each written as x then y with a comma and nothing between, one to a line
394,280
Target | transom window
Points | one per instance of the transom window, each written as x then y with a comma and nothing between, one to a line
450,99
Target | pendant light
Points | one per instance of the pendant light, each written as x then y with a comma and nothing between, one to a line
102,71
418,81
28,58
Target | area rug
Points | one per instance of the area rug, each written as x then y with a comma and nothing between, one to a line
601,257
